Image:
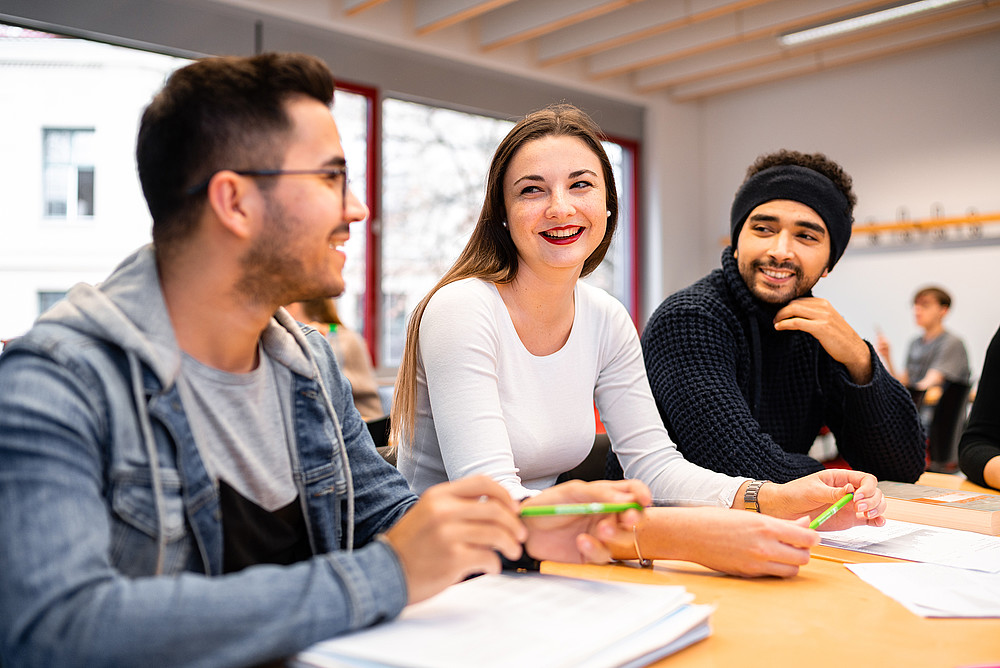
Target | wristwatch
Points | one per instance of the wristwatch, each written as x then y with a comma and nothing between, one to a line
750,496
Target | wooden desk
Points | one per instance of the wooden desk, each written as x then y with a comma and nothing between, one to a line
825,616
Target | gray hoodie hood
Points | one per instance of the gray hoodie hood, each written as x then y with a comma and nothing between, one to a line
128,310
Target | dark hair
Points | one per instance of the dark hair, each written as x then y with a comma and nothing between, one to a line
218,113
935,293
817,162
490,253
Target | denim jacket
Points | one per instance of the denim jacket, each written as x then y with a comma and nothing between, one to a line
110,528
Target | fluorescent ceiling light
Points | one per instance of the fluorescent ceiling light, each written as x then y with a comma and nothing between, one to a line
864,21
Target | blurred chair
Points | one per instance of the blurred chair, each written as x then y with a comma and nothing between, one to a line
944,428
379,427
593,467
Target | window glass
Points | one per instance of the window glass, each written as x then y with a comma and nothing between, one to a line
614,273
351,113
68,172
85,191
434,164
56,188
47,299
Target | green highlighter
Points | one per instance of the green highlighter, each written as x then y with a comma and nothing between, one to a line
578,509
831,511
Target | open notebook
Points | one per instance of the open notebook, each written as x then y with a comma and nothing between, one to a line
526,620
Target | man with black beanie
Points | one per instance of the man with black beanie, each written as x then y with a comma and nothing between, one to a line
747,366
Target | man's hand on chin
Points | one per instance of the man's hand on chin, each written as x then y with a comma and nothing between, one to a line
818,318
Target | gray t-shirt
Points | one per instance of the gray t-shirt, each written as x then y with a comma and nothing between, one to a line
240,422
945,352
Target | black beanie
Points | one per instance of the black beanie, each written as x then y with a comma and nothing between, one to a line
799,184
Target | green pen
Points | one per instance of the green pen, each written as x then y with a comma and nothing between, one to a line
831,511
578,509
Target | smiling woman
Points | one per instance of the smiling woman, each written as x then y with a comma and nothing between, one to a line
550,173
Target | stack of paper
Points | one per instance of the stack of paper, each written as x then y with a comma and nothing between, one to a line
942,507
958,574
527,620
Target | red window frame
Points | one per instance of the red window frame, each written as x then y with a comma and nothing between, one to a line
373,249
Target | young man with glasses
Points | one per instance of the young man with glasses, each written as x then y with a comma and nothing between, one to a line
183,475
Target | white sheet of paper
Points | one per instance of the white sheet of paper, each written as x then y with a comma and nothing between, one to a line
932,590
525,620
920,542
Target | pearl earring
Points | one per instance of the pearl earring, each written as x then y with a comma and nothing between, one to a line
609,213
504,223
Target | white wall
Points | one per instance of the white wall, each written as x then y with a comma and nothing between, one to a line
876,292
917,130
669,202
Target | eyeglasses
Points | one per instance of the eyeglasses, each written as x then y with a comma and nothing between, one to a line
329,173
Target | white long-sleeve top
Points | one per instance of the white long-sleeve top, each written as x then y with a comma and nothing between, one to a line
485,405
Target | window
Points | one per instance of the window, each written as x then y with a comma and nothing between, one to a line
617,273
47,299
352,108
433,182
68,173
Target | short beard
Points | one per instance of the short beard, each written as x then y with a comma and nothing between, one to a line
266,267
750,273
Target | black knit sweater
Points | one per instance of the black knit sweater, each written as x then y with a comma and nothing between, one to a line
742,398
981,439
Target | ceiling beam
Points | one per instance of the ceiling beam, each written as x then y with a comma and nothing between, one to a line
633,23
512,24
352,7
434,15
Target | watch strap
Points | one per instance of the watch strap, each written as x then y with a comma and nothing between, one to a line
750,501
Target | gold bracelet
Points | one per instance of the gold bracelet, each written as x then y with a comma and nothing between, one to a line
645,563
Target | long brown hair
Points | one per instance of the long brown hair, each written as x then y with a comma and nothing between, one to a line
490,254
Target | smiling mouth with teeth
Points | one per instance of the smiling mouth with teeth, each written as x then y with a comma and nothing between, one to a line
563,232
777,274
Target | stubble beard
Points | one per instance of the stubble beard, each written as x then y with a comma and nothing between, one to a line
801,285
272,273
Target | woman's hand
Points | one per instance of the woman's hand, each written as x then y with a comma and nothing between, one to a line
731,541
582,538
812,494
